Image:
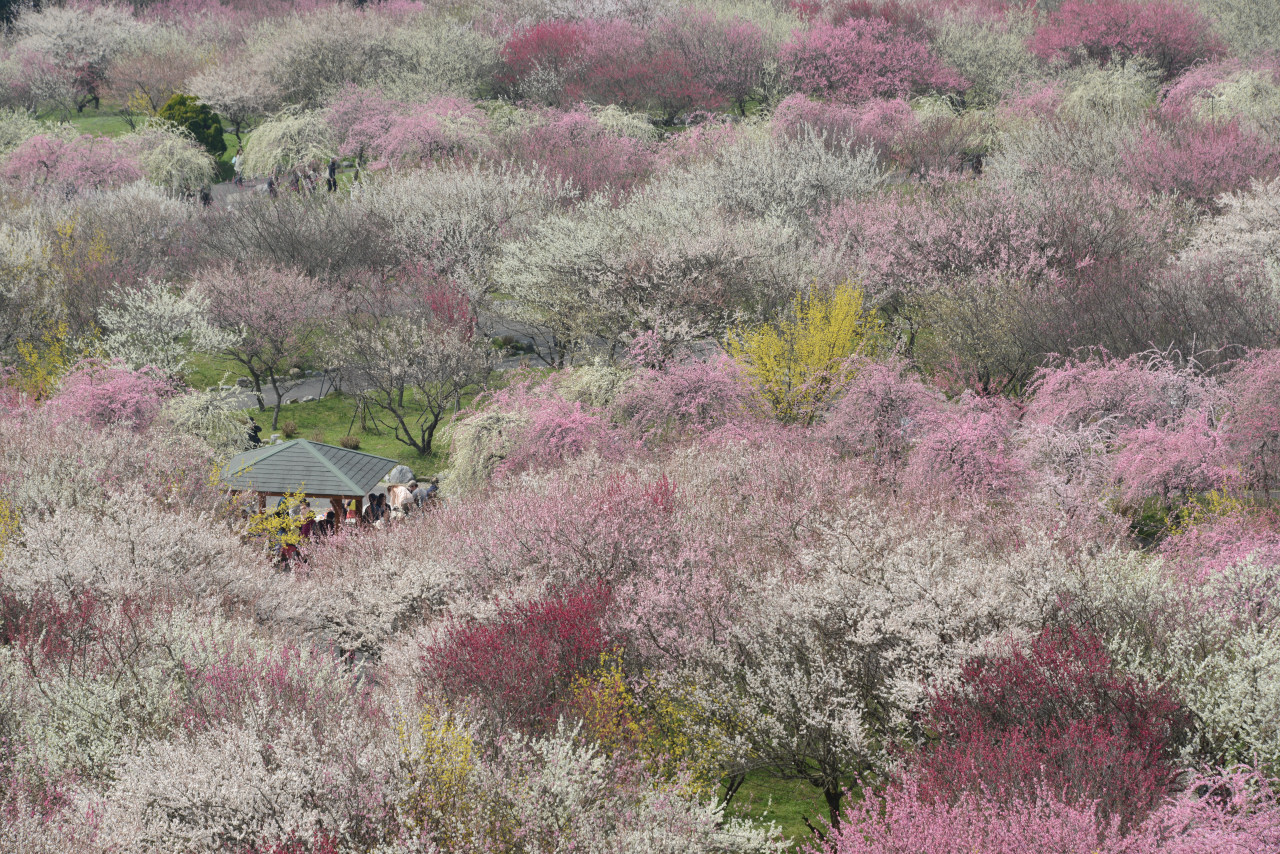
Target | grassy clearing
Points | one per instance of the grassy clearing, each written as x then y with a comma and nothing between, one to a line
328,420
104,122
205,370
764,797
225,171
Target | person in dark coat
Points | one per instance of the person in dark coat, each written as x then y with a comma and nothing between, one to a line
255,434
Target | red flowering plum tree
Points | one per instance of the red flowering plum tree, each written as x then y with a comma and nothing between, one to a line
1055,716
692,60
520,666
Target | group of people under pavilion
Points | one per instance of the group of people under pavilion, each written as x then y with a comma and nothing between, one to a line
351,482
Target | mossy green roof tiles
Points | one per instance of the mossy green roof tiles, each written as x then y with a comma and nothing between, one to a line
310,467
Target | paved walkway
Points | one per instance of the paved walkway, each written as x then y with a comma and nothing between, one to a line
291,390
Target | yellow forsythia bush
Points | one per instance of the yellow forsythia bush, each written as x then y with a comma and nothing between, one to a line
662,728
797,361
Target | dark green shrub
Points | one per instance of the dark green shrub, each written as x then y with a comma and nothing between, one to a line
187,112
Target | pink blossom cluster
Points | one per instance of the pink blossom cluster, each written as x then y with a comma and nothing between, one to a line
690,60
66,166
1171,34
1231,812
862,59
101,393
372,128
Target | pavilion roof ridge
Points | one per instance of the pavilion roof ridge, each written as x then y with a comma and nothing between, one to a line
314,468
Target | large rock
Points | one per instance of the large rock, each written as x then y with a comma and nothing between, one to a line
400,474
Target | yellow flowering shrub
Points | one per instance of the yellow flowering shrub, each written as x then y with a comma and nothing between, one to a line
280,525
445,803
797,361
9,523
662,728
42,363
1206,509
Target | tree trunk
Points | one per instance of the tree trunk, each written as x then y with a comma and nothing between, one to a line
731,786
257,386
275,415
430,434
833,796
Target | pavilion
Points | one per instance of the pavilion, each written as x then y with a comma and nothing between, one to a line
312,468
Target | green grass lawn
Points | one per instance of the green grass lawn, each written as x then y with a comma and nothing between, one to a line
328,420
104,122
205,370
784,802
225,170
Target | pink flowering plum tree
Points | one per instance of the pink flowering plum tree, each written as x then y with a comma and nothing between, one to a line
574,147
881,415
387,133
862,59
1168,32
1216,812
1200,160
681,398
274,315
1145,389
101,393
68,166
1173,463
1253,418
1211,547
880,123
1159,416
969,448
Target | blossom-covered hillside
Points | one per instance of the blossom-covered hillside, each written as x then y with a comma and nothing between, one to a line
842,427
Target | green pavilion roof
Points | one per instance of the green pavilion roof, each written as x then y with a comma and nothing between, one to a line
300,465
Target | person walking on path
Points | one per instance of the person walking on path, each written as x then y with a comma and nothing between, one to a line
332,183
